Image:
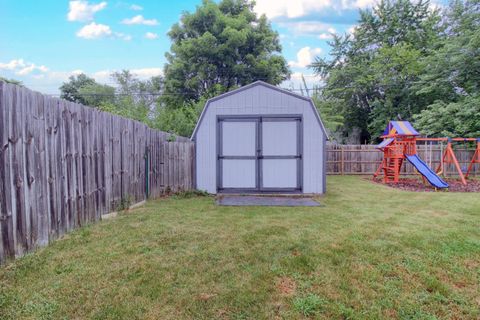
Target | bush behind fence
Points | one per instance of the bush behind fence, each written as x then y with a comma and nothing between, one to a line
63,165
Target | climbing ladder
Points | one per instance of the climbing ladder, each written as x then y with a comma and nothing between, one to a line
392,163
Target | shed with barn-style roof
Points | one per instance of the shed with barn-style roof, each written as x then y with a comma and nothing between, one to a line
260,139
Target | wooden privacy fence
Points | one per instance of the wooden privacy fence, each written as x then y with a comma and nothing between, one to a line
63,165
365,159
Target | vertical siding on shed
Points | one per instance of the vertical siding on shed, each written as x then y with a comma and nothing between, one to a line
261,100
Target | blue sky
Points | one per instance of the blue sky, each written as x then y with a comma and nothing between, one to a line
44,42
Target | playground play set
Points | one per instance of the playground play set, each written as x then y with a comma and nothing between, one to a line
400,143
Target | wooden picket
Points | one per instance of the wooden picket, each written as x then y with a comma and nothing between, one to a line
63,165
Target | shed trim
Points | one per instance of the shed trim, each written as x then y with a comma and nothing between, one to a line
249,86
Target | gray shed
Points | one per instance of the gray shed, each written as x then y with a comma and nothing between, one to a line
260,139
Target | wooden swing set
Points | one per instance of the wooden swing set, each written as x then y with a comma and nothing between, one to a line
400,143
449,157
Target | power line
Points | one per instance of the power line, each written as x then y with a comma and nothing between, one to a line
153,94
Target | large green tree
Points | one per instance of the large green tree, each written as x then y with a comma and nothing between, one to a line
371,75
70,90
451,81
219,47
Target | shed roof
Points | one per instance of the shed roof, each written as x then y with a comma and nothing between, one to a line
249,86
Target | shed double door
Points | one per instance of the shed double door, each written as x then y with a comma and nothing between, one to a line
259,154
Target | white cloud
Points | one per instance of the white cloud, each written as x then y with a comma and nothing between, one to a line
296,82
145,73
139,19
41,78
301,28
102,76
97,31
94,31
435,5
136,7
13,64
123,36
305,57
151,35
22,68
351,31
362,4
300,8
83,11
327,35
31,68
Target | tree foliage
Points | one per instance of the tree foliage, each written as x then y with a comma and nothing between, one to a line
12,81
70,89
407,61
130,97
373,72
134,98
452,76
180,121
454,119
219,47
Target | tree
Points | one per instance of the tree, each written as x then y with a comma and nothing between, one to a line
220,47
451,82
96,94
327,108
454,119
12,81
180,121
373,72
70,90
134,98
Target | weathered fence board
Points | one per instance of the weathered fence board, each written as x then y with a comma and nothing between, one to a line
63,165
365,159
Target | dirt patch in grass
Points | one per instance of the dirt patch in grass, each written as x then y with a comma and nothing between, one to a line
412,184
286,286
296,253
205,296
391,314
472,264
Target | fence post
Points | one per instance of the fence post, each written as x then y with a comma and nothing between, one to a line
342,162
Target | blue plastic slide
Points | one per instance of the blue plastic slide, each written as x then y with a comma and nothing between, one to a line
425,171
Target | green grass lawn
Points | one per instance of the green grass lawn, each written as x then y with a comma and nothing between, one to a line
370,252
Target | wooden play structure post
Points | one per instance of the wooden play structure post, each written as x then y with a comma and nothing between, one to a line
449,157
475,158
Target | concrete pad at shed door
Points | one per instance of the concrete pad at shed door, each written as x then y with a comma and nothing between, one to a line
242,201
